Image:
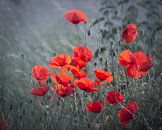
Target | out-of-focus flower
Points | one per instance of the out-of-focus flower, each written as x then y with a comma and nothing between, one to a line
41,91
2,126
130,33
114,97
103,75
86,85
76,16
40,73
83,53
126,114
95,106
64,91
62,78
61,61
76,72
137,63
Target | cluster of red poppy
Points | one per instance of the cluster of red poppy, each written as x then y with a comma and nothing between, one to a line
71,74
137,63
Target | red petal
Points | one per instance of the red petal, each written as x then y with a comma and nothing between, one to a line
125,58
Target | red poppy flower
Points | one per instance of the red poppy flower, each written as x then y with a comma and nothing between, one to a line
143,61
78,62
114,97
77,73
40,73
64,91
41,91
83,53
99,82
62,78
60,61
126,114
137,63
130,33
95,106
86,85
147,64
76,16
2,126
103,75
125,58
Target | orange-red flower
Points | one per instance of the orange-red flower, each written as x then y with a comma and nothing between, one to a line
114,97
62,78
137,63
83,53
41,91
76,16
60,61
147,64
99,82
78,62
77,73
86,85
95,106
125,58
130,33
64,91
126,114
40,73
103,75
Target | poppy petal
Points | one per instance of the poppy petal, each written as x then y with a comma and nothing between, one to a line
125,58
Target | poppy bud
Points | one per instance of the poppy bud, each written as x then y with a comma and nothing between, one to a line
30,101
95,64
54,54
112,53
89,33
22,56
100,59
11,107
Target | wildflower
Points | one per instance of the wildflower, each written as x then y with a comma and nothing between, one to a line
103,75
83,53
78,62
86,85
95,106
40,73
114,97
76,16
62,78
41,91
137,64
64,90
2,126
77,73
99,82
130,33
126,114
125,58
61,61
